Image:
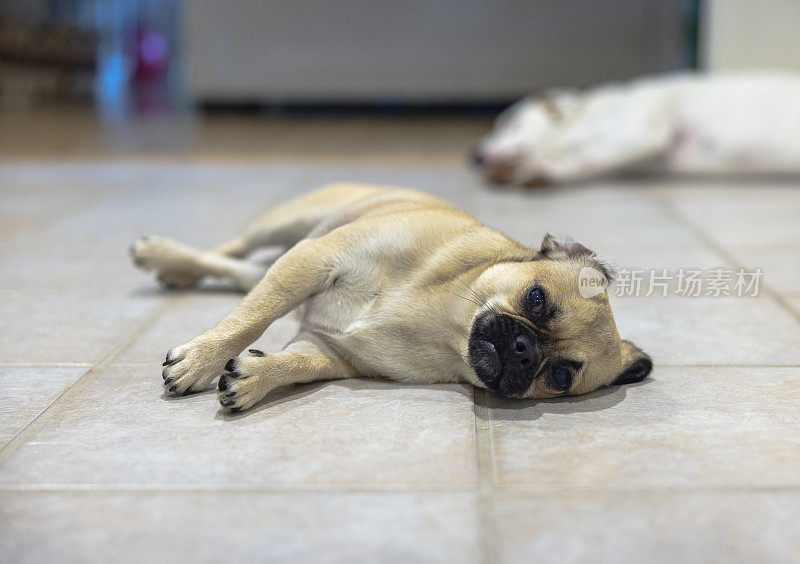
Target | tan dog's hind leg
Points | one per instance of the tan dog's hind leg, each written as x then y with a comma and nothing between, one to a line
304,270
305,359
182,266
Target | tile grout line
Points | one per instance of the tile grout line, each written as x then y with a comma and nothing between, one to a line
390,488
358,161
778,297
726,255
679,220
46,364
54,408
646,488
483,461
221,488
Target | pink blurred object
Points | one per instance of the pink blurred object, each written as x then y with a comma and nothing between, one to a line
152,54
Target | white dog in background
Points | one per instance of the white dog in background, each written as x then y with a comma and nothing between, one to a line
688,123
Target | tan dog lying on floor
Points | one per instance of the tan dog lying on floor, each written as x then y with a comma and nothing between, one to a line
397,284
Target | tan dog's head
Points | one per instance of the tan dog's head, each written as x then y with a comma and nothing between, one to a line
547,328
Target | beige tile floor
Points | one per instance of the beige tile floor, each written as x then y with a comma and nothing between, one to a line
699,462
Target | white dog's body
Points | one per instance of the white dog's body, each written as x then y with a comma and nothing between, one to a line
688,123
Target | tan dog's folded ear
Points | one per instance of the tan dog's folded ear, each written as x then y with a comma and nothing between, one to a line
553,248
636,365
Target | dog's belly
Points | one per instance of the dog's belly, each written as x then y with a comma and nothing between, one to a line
350,324
342,307
367,327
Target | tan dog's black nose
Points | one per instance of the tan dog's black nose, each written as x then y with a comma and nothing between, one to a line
523,357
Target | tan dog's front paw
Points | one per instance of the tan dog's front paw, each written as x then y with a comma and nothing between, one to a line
191,367
246,381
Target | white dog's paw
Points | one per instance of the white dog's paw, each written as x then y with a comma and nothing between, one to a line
174,262
246,380
191,367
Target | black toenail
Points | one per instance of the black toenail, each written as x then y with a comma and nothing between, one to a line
164,374
187,391
168,381
255,352
229,365
223,384
230,394
236,409
173,388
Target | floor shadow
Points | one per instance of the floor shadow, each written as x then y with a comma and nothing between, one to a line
503,409
274,398
297,391
204,289
166,396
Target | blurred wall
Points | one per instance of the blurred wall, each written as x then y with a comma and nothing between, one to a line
421,50
26,10
745,34
47,53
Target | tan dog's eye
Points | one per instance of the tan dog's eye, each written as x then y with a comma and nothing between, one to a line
535,301
560,379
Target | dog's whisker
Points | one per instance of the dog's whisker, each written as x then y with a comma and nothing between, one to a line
473,292
460,332
452,354
482,299
465,298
